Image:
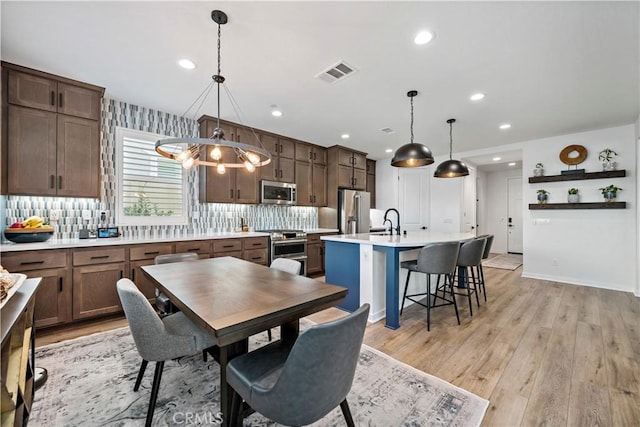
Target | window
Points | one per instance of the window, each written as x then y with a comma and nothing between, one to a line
151,189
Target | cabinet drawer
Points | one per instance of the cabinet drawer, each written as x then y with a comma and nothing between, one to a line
202,247
234,254
258,256
255,243
313,238
98,256
149,251
227,245
15,262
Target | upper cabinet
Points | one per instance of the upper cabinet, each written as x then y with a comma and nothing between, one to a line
371,181
50,134
347,169
311,174
282,163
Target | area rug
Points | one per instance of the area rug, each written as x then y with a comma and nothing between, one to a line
504,261
91,384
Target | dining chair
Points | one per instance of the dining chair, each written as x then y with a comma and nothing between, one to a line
434,258
298,384
162,301
470,256
284,264
158,339
485,255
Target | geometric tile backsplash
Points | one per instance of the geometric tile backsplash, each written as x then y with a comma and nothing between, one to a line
203,217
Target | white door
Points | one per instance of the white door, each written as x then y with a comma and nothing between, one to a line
469,203
514,219
413,186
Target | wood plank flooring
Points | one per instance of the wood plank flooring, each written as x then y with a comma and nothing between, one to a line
543,353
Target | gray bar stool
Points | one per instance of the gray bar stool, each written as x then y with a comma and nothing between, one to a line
485,255
470,256
435,258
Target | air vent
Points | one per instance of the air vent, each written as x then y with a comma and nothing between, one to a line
387,130
336,72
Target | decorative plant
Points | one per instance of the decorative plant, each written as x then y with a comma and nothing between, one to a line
610,189
607,155
144,207
573,191
543,192
539,165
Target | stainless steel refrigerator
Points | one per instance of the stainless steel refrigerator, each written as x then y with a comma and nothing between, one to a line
353,211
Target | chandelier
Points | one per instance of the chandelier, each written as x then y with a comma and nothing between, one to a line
209,151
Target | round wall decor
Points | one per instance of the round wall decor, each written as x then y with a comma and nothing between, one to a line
573,155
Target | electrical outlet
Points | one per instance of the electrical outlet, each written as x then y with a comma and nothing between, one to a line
555,262
103,216
86,214
54,215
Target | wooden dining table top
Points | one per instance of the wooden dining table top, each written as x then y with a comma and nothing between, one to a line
233,298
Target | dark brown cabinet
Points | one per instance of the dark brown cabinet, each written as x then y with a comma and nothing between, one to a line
282,163
140,255
315,253
51,140
311,174
371,181
347,169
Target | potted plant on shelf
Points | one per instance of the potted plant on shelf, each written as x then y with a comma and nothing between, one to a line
610,192
543,196
539,170
606,156
573,196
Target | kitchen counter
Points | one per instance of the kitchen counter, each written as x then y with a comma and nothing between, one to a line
321,230
86,243
412,239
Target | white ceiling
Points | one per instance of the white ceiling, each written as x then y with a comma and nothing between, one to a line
548,68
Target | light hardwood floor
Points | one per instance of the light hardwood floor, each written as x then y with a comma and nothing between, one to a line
542,353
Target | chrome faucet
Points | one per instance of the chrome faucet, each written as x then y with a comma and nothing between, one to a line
397,228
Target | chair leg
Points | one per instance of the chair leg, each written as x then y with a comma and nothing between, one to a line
468,286
475,286
204,355
404,295
157,376
269,334
481,274
140,375
429,302
347,413
235,415
453,295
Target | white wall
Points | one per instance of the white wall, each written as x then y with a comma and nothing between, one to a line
481,191
497,207
637,138
446,201
588,247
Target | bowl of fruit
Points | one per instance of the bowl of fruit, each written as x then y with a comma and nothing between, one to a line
31,230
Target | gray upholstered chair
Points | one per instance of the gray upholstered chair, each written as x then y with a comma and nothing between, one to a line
285,264
470,256
158,339
162,301
435,258
485,255
299,385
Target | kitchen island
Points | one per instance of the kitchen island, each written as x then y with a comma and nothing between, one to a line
368,265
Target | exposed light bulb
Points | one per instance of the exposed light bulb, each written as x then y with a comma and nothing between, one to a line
221,169
216,154
187,164
253,157
411,161
249,166
182,156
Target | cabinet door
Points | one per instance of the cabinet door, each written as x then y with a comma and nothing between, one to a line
371,188
145,285
359,179
78,157
319,155
216,188
53,298
94,290
360,161
31,152
287,170
345,157
303,152
319,189
246,186
314,259
286,148
303,183
201,247
78,101
32,91
345,175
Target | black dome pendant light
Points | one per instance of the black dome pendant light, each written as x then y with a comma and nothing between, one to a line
412,155
451,168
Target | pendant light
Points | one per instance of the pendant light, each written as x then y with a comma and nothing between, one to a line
197,151
451,168
412,155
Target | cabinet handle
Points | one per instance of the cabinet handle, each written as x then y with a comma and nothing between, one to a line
59,284
231,193
314,199
280,148
52,184
53,98
193,249
100,257
256,244
310,155
133,274
310,199
277,148
280,173
227,246
152,253
238,194
59,182
60,101
256,257
31,262
314,156
121,274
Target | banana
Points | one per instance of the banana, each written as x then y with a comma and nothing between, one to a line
33,222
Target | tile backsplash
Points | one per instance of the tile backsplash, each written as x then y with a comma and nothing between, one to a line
203,217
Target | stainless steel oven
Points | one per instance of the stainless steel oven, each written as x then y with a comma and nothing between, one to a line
288,244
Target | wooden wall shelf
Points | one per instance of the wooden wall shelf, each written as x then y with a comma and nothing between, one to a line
578,176
596,205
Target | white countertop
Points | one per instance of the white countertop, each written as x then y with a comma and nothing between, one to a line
322,230
413,239
81,243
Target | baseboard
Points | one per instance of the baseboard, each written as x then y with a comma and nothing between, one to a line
573,281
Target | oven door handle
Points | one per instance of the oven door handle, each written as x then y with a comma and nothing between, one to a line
287,242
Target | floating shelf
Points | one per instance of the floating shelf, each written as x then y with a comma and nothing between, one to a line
578,176
597,205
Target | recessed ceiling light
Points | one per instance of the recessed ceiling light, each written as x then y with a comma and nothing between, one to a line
345,136
497,159
276,113
505,126
477,96
187,64
423,37
512,164
388,150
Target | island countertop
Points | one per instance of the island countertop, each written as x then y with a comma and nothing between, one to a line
412,239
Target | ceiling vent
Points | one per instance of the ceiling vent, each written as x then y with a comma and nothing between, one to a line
336,72
387,130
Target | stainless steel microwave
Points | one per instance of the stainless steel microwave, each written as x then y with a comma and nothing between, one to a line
277,193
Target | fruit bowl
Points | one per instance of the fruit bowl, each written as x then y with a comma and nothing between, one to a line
28,235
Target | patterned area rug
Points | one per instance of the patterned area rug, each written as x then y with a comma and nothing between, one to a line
91,384
504,261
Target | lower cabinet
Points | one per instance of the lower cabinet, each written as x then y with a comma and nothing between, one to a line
140,255
315,254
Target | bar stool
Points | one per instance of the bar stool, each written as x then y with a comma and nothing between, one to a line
485,255
470,256
435,258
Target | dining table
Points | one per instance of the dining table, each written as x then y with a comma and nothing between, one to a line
233,299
